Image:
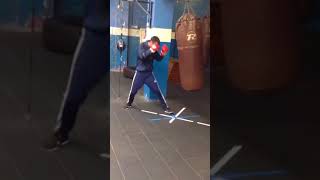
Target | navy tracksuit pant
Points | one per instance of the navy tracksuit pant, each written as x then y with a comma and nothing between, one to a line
90,65
146,77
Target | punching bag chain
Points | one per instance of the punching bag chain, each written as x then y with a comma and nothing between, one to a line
188,8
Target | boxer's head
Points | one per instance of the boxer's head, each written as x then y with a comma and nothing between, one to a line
154,41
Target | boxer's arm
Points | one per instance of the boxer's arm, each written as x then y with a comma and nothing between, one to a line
158,56
143,53
164,51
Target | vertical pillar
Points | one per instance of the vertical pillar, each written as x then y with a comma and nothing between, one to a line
162,18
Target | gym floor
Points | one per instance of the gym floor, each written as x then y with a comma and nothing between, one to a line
278,133
144,146
21,154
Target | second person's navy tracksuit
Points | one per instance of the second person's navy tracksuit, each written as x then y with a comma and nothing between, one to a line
144,74
89,66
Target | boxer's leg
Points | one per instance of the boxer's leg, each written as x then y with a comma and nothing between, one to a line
137,83
89,66
152,83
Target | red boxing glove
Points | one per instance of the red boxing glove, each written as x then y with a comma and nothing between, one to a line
164,50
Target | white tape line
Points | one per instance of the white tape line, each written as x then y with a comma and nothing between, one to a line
182,119
178,114
165,115
150,112
205,124
223,161
172,119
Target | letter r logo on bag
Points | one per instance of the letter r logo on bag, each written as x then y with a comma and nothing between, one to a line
191,36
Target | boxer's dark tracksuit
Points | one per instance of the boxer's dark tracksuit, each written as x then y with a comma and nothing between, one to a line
144,74
90,63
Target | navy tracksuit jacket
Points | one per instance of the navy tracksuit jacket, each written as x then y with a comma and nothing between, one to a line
89,65
144,74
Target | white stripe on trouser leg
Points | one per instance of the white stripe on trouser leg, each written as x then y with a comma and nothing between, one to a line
160,90
133,79
66,94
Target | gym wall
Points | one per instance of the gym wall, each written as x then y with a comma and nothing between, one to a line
135,19
117,18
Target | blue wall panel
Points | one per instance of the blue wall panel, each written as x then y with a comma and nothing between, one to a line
115,54
174,49
163,9
137,16
132,51
117,17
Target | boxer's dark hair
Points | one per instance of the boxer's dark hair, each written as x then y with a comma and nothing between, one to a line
155,39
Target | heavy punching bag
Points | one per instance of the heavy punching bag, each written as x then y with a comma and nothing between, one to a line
261,43
188,36
206,39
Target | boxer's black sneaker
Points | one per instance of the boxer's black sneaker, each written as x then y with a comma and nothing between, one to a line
55,141
168,111
128,106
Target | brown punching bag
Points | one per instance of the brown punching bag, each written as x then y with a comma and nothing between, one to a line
206,39
188,36
260,43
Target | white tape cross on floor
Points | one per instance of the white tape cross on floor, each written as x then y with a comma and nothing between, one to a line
174,117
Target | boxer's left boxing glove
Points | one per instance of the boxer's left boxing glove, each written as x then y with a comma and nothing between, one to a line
164,50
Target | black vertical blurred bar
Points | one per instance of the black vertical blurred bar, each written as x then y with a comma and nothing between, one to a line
29,106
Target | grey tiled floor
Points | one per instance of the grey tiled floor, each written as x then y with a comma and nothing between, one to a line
156,150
